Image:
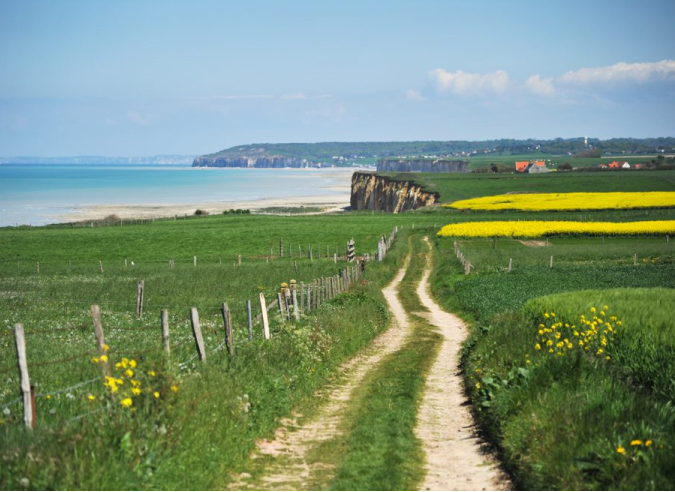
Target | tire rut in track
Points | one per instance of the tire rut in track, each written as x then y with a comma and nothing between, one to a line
455,456
292,442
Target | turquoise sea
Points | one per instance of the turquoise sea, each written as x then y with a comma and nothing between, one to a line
39,194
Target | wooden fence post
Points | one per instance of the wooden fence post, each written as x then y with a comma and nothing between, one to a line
164,319
249,318
302,297
551,261
229,332
100,338
309,298
635,259
38,268
197,333
139,298
263,310
510,263
296,310
194,261
280,301
28,401
239,258
281,248
100,265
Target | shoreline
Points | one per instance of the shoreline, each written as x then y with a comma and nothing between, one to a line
328,204
325,190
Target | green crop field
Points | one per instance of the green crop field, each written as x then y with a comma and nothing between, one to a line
452,187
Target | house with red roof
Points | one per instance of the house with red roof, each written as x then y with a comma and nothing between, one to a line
531,167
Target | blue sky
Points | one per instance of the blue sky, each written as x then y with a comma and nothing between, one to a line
168,77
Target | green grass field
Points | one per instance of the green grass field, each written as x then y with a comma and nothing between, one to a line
557,422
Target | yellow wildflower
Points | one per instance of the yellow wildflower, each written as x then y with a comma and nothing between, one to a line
649,442
636,442
174,388
91,398
132,363
129,373
127,402
104,358
537,346
94,360
620,450
136,391
477,385
152,374
106,347
49,397
156,393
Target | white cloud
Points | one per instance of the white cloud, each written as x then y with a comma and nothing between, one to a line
235,97
140,118
540,86
470,84
305,96
623,72
414,95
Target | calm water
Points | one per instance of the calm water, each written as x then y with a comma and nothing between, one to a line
37,194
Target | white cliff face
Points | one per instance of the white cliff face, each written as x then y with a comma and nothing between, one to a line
252,162
422,165
372,192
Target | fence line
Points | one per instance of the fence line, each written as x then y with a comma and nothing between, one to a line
292,307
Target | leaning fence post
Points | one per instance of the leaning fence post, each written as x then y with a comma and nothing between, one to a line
139,298
249,318
266,323
197,333
28,402
280,302
164,319
100,339
229,332
296,311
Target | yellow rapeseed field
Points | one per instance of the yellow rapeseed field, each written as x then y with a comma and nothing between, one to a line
568,201
538,228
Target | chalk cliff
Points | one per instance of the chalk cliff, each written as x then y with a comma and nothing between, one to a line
373,192
268,161
422,165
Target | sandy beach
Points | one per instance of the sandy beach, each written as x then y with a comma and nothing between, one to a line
333,202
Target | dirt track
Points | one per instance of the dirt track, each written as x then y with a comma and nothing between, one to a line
455,457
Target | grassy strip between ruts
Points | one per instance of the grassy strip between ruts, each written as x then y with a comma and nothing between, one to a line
199,435
574,422
378,449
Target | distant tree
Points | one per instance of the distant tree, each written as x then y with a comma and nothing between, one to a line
199,211
494,168
565,167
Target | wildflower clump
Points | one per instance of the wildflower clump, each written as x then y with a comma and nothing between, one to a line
129,384
593,334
